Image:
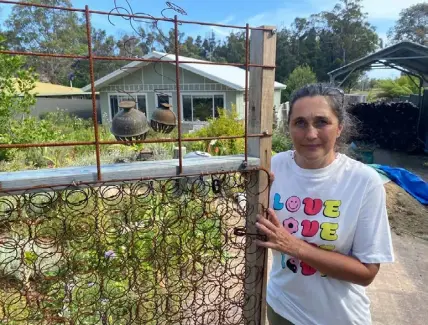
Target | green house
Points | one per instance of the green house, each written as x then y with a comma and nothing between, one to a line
203,88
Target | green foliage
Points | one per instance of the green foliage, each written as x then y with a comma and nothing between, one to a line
227,124
300,76
325,41
402,86
56,127
48,31
16,84
412,25
281,142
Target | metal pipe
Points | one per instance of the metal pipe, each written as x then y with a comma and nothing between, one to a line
247,62
122,58
405,57
27,4
66,56
94,100
91,143
177,83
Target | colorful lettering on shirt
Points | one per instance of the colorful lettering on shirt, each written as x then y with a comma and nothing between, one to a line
307,269
293,204
328,231
277,205
283,256
310,228
331,208
291,225
312,206
327,247
292,264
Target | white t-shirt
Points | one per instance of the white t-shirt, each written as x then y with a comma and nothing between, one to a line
340,207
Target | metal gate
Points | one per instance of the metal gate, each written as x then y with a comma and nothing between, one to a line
99,248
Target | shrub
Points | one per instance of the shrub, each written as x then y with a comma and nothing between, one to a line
227,124
281,142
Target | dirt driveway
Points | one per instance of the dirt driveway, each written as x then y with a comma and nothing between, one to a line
398,294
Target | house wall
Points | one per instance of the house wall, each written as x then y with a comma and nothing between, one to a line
79,107
161,77
277,98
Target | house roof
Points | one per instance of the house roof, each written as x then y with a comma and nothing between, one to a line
231,76
48,89
408,55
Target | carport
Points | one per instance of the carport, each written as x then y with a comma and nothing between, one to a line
407,57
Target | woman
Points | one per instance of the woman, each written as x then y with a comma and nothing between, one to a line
327,225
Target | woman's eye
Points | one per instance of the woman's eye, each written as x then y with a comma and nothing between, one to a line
321,123
300,123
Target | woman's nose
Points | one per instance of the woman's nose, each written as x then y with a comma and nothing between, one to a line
312,133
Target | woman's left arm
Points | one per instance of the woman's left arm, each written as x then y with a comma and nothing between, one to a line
333,264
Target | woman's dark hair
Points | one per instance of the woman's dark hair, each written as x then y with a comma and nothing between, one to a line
336,98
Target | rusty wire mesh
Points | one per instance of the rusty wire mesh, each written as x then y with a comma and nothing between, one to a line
161,251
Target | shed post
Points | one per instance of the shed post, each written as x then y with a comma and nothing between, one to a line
260,118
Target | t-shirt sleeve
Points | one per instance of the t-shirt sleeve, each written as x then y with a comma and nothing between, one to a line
372,241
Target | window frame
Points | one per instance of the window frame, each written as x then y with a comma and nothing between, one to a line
196,94
124,95
163,93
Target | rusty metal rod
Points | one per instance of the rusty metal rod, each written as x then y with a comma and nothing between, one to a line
28,4
91,143
247,62
134,16
94,100
122,58
67,56
177,82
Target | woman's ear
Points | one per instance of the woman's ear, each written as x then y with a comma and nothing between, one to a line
339,130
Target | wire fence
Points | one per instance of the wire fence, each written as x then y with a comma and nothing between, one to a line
153,250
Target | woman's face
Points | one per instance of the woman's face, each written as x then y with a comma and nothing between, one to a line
314,129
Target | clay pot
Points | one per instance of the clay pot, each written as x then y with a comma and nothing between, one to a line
129,124
163,119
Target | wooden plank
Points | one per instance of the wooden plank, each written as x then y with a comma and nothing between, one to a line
135,170
260,119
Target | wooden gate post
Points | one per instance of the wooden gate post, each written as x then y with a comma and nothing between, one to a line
260,119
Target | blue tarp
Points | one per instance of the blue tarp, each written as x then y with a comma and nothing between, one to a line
411,183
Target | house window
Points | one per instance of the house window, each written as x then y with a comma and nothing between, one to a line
201,107
116,99
163,98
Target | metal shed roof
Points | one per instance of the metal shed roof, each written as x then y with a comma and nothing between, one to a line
410,56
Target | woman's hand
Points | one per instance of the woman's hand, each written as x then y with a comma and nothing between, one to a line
278,238
336,265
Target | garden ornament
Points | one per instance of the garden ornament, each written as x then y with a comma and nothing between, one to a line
163,119
130,124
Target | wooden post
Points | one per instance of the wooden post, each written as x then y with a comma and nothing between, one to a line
260,119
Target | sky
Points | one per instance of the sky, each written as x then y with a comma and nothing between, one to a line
381,13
